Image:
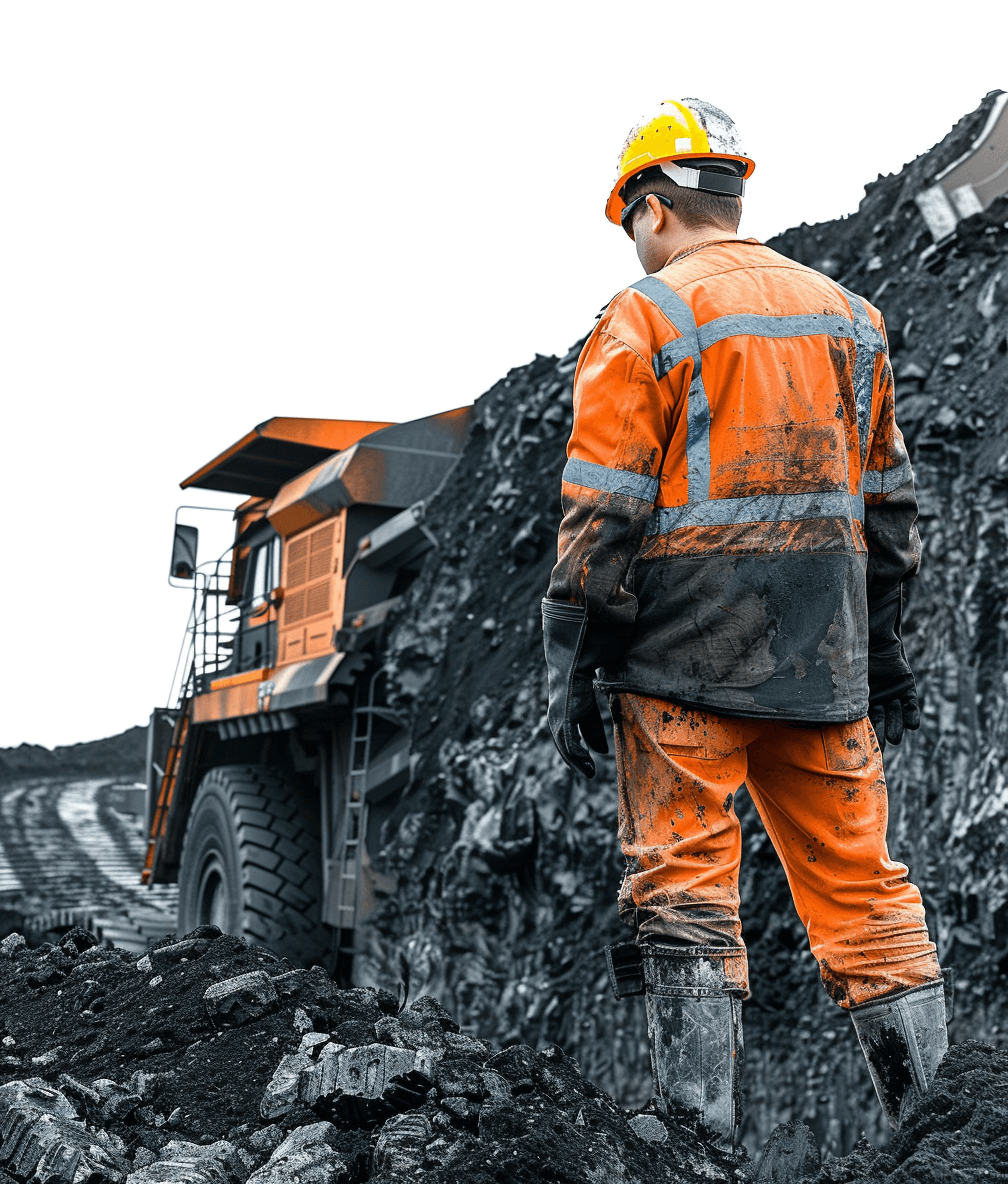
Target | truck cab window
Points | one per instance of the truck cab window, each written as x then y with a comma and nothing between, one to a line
261,575
264,565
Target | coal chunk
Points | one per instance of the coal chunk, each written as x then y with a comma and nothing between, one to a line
11,944
192,1163
791,1155
240,999
305,1155
367,1072
650,1128
402,1143
42,1138
282,1091
76,941
187,950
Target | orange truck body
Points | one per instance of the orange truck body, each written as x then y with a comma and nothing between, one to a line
334,508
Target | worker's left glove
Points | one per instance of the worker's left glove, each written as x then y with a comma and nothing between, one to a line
892,691
575,648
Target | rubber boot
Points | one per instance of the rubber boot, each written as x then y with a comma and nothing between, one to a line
903,1037
695,1028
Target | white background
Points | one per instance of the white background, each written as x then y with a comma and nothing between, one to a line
213,213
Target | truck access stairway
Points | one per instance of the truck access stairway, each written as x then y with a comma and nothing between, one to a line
169,780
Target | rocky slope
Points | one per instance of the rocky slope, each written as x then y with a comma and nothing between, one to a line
507,863
206,1061
116,756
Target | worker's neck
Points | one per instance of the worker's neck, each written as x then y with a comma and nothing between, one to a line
676,238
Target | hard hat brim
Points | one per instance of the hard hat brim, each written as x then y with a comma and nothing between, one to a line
616,204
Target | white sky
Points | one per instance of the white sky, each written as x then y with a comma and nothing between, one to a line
213,213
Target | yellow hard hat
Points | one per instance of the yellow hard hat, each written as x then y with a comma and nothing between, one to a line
683,132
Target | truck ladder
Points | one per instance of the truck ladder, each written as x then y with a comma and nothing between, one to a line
354,815
169,779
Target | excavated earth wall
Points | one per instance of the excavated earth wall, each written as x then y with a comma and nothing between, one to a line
507,863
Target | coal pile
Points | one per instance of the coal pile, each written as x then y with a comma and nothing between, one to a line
207,1060
957,1135
507,863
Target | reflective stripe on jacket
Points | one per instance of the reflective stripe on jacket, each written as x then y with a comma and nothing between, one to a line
737,487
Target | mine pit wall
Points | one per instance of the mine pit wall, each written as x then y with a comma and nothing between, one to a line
508,864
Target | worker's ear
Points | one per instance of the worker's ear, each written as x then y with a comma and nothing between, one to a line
659,214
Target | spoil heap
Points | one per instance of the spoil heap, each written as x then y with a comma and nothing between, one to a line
209,1062
116,756
507,862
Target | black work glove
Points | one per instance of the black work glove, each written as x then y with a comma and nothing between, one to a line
892,691
574,650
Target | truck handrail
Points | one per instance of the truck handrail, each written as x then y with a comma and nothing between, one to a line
207,646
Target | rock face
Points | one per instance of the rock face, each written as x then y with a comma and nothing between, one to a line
507,862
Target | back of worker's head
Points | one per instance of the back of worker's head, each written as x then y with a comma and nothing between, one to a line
690,152
693,207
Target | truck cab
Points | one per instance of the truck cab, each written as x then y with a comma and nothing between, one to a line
277,759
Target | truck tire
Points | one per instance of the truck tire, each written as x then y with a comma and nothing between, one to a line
251,863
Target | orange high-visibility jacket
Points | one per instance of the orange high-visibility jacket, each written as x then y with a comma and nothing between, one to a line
737,489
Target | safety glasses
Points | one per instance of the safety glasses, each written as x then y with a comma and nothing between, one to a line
626,218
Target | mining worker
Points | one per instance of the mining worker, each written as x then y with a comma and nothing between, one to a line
738,522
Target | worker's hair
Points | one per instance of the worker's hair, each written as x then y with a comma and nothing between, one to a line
694,207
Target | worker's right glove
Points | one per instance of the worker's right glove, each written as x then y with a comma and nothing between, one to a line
575,649
892,691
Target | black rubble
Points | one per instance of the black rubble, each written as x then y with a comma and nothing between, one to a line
123,1068
119,1068
957,1135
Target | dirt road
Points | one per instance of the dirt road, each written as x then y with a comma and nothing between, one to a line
70,853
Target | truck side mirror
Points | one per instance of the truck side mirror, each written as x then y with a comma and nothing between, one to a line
183,556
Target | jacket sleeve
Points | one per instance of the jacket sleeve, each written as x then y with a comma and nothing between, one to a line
622,427
894,547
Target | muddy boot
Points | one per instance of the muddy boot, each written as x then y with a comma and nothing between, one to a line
903,1037
695,1028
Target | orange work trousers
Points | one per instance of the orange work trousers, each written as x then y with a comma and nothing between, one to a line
821,794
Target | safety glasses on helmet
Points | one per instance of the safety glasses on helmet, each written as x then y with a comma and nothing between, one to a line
627,215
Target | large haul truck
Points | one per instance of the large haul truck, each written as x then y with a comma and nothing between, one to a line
271,772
